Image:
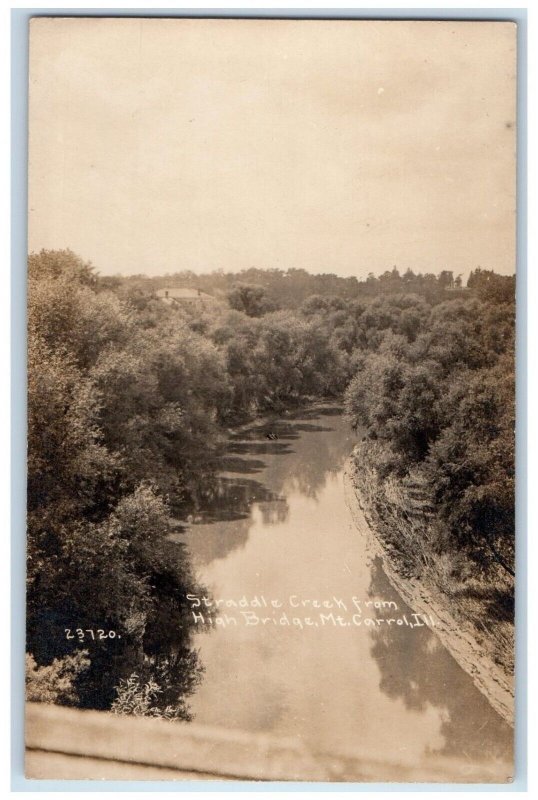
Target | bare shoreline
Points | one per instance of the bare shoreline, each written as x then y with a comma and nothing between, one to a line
487,676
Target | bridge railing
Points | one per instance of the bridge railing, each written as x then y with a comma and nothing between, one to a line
66,743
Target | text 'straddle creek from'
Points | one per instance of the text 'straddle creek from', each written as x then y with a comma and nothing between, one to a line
300,612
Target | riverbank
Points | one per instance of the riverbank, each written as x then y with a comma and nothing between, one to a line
455,634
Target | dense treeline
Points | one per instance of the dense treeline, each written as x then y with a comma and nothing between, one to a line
129,398
271,289
111,408
436,396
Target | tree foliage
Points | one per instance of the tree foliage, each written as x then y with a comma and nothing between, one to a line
128,401
102,420
439,397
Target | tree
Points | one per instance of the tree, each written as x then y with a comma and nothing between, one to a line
98,526
250,299
492,287
446,279
471,465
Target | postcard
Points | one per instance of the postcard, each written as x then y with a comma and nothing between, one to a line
271,316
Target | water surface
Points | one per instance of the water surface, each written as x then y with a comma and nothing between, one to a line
278,528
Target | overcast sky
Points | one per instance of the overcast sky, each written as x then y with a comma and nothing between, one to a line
347,147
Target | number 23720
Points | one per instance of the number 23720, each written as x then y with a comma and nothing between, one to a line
90,633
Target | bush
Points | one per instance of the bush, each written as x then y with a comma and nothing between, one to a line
140,699
55,683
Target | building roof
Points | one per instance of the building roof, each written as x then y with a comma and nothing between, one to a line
183,294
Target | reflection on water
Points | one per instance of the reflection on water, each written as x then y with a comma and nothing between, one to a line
424,673
277,525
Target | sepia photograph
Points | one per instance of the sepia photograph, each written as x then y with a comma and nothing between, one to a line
271,400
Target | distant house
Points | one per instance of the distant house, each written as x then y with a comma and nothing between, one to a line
185,297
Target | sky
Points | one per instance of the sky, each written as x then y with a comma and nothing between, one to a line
333,146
